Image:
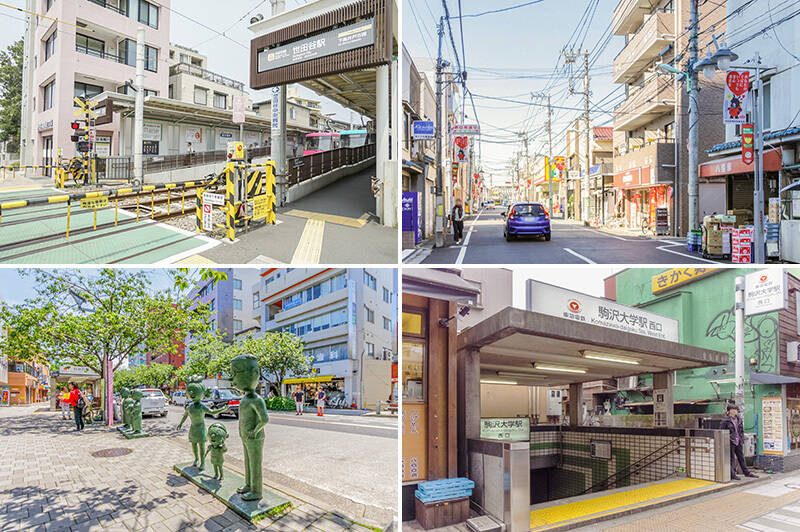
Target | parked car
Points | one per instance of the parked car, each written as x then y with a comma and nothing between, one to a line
221,397
179,398
526,219
154,402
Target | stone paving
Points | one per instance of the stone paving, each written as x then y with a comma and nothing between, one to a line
49,480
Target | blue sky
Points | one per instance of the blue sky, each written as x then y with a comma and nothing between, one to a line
520,42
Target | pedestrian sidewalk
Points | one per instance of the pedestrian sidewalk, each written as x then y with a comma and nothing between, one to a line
54,478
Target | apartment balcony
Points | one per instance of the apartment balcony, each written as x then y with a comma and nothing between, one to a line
658,157
653,36
117,6
192,70
649,102
102,54
629,14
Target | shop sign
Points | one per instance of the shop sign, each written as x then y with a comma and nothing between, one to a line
69,369
736,101
460,145
509,428
677,277
748,137
151,132
575,306
414,463
238,109
765,291
150,147
349,37
772,421
422,130
466,129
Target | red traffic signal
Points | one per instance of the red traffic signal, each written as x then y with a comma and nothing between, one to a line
75,125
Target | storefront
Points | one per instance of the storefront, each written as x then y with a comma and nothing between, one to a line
638,198
334,388
87,380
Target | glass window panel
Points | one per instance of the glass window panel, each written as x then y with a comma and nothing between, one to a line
412,323
413,359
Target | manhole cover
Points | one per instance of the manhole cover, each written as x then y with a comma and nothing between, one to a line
110,453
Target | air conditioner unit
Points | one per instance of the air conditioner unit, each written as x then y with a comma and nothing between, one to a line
627,383
792,349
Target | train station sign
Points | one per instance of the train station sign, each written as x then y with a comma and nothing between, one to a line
562,303
357,36
506,428
765,291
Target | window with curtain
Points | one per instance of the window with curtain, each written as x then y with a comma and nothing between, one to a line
148,13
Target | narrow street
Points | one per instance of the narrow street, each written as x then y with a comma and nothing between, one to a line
571,243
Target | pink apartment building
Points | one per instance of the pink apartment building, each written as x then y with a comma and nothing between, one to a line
88,50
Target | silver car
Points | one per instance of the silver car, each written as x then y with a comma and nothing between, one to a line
154,402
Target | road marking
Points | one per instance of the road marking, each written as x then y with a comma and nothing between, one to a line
195,259
590,261
323,420
309,247
664,248
330,218
463,251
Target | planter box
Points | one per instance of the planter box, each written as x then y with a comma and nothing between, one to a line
441,513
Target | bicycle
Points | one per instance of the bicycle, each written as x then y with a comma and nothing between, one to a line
646,228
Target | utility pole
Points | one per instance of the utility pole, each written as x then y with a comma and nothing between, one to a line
694,119
588,131
758,188
138,129
278,134
439,225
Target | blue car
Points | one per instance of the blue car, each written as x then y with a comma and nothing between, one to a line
527,219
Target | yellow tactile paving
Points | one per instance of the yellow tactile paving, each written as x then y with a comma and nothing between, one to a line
310,246
195,259
330,218
544,518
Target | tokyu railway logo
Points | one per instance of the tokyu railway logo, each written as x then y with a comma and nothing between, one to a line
574,306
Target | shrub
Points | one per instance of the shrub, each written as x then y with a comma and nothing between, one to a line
285,404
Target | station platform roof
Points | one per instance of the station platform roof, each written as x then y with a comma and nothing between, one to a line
511,341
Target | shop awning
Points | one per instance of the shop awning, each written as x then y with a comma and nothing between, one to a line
735,165
306,380
438,284
769,378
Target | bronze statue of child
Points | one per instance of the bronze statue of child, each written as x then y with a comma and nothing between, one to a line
135,416
252,420
217,433
197,414
127,406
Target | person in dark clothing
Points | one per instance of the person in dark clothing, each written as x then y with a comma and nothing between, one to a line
457,217
78,402
733,424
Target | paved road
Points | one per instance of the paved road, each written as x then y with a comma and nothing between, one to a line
571,243
355,456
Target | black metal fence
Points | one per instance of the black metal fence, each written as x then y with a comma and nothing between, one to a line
304,168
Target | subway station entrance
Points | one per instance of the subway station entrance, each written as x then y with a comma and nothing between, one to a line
565,469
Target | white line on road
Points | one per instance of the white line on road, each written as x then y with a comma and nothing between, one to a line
693,257
590,261
463,251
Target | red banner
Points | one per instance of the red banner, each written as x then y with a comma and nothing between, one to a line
748,135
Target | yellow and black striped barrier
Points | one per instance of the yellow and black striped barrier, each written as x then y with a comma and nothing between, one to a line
101,199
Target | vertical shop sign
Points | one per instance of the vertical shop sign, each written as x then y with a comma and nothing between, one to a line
748,136
736,100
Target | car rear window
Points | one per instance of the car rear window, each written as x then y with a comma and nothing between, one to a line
227,394
529,208
152,393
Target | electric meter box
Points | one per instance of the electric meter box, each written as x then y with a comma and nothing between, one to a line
792,349
236,151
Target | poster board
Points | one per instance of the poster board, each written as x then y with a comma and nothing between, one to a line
772,424
414,463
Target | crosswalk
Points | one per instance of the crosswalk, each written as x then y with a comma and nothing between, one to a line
784,519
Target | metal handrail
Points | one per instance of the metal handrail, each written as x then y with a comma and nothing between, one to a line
630,467
205,74
102,55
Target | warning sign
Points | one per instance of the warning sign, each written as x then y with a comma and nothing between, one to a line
260,207
208,217
94,203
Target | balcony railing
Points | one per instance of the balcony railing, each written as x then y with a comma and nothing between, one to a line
101,54
652,100
656,32
116,8
185,68
628,16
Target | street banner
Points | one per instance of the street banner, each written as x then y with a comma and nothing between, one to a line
460,149
748,137
736,101
238,109
466,129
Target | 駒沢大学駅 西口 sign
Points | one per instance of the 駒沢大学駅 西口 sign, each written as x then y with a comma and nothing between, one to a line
562,303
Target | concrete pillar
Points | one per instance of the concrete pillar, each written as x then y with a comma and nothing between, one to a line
382,135
390,184
662,400
138,158
575,404
468,404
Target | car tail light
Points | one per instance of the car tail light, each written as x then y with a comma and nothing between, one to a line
233,403
546,214
511,214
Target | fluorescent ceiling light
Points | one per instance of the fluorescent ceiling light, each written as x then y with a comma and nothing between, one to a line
492,381
559,369
610,358
521,375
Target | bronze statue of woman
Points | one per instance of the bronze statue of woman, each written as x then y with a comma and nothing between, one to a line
196,412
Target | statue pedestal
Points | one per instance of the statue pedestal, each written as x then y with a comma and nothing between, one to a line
271,504
130,435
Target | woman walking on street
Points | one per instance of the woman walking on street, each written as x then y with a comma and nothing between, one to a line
78,402
457,218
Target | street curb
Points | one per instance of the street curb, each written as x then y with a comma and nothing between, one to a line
632,511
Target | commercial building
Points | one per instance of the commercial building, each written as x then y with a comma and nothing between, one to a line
590,199
229,301
28,382
303,116
651,126
96,55
346,319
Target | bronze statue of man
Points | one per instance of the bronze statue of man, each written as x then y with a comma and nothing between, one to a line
136,411
127,405
252,420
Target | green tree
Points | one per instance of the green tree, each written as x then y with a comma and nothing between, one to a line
125,377
279,354
11,91
90,320
156,375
